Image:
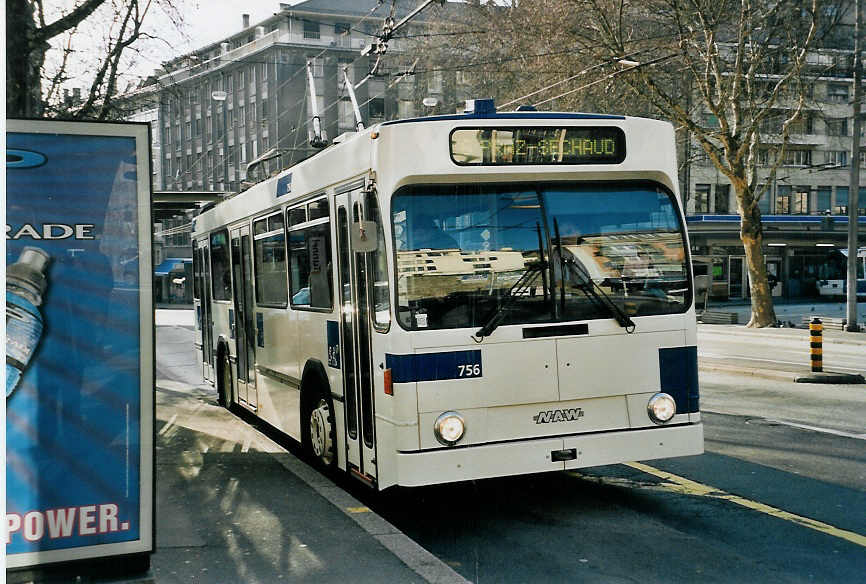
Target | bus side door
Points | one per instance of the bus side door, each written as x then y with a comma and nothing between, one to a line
355,339
206,314
245,330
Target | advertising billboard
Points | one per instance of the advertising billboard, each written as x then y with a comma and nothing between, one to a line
79,350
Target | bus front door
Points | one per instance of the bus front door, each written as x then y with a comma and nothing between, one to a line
355,344
245,337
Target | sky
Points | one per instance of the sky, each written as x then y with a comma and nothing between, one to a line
204,22
211,20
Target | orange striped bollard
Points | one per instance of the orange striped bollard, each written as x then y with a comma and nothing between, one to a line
816,345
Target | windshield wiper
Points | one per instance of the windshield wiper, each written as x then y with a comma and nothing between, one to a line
520,288
596,294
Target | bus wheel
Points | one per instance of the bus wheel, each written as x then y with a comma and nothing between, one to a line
322,433
224,385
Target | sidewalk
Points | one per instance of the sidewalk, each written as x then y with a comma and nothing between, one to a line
792,312
779,370
235,507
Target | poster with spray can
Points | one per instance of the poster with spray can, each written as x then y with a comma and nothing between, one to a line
79,347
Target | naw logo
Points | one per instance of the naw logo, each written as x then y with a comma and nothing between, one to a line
569,415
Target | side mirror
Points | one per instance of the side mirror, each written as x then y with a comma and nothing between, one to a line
365,236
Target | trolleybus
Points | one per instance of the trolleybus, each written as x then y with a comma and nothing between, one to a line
460,297
834,282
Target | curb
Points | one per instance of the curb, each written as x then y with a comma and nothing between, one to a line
828,377
421,561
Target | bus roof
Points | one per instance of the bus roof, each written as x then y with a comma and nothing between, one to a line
524,116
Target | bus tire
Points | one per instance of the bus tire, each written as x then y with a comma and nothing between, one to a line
321,432
224,379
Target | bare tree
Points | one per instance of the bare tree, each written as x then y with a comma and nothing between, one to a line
743,61
33,85
728,73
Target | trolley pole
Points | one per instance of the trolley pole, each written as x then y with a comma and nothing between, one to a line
854,188
816,341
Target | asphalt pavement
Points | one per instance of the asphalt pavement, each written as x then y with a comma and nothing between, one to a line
235,506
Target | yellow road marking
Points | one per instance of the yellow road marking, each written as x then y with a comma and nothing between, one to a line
358,509
685,486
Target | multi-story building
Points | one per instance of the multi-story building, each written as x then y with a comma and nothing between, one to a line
227,104
805,209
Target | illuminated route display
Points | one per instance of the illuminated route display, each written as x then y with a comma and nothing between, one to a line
537,145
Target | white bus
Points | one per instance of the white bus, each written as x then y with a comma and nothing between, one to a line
460,297
833,282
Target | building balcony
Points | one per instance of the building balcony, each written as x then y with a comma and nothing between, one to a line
226,58
326,40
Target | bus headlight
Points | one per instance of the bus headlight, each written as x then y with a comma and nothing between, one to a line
661,408
449,428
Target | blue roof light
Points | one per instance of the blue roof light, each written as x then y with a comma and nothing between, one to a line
480,107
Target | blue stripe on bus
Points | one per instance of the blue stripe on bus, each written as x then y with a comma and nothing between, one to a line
678,373
434,366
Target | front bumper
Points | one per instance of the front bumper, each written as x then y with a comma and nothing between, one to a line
532,456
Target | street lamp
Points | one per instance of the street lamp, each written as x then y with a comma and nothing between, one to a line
220,97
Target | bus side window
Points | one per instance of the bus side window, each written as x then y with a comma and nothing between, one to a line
310,266
381,295
196,271
270,261
220,270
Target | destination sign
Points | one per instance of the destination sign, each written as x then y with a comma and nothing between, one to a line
537,145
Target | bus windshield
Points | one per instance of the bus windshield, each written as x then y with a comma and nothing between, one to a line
471,253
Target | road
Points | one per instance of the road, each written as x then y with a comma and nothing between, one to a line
779,495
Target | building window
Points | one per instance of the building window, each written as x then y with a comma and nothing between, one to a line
800,200
798,158
342,36
836,158
377,107
840,207
318,66
783,200
764,202
823,199
837,93
311,29
434,82
763,157
837,127
345,115
405,109
722,199
711,121
702,198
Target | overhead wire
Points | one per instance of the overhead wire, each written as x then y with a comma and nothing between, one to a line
300,70
461,67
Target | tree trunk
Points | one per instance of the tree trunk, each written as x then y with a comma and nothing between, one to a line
752,236
24,58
